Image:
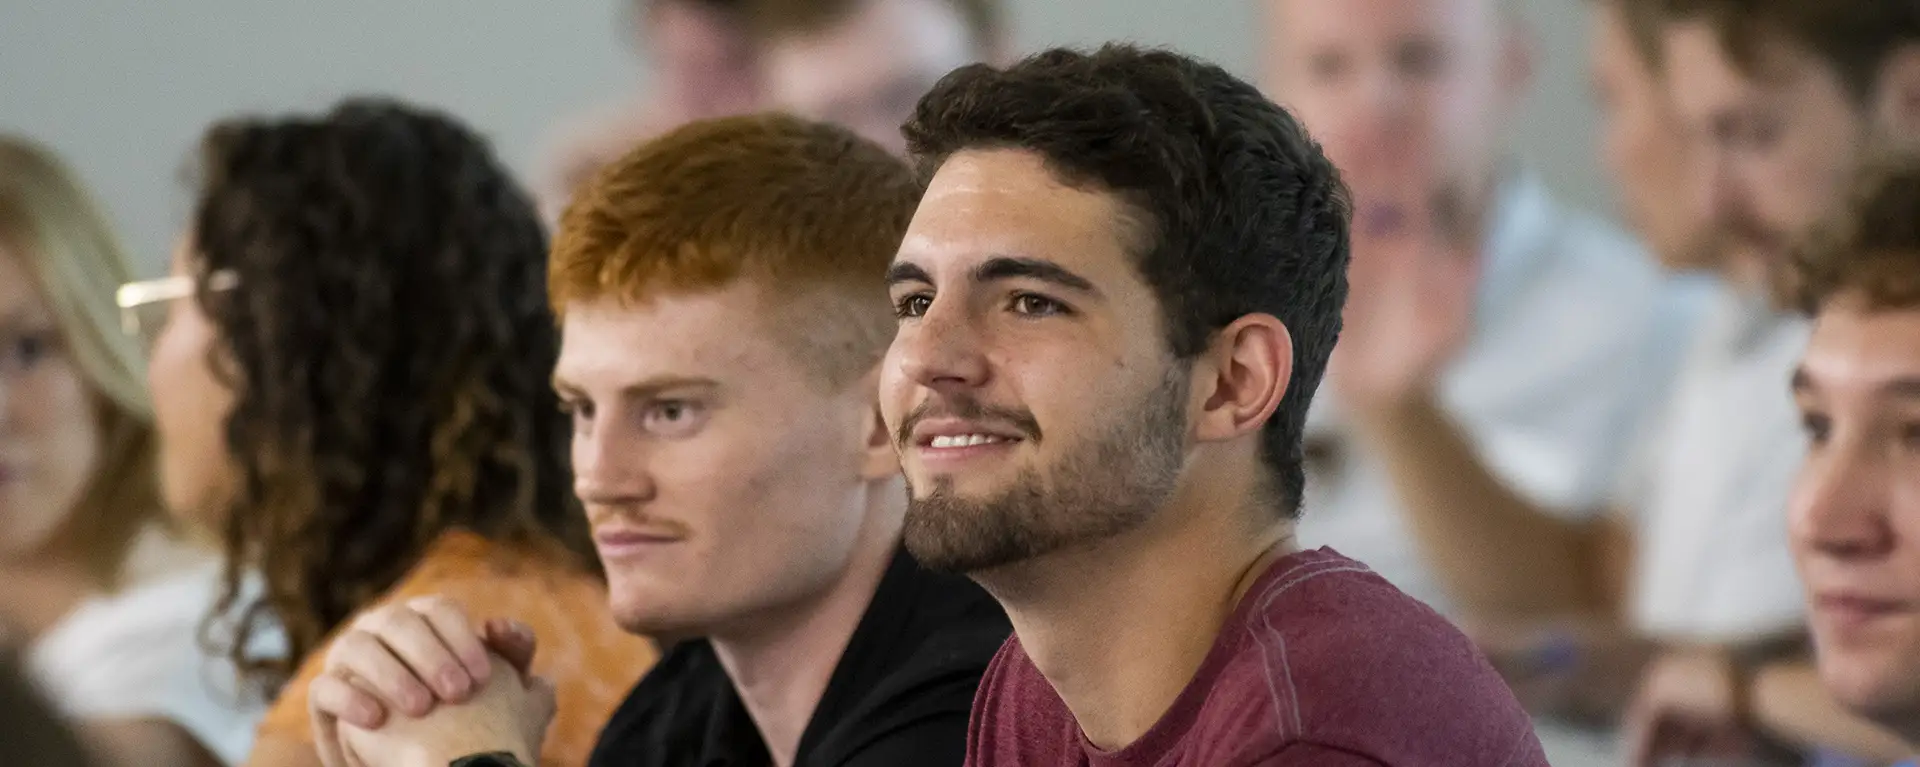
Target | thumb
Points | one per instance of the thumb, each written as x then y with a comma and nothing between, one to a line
545,697
513,641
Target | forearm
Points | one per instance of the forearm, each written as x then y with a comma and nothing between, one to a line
1789,703
1501,557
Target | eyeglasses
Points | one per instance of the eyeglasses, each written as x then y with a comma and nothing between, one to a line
144,304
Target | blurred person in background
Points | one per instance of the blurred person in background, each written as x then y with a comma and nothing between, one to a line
704,65
1780,101
103,600
32,732
1500,349
865,63
1855,515
351,387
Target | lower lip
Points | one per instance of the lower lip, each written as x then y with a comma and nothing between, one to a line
947,456
630,547
1849,615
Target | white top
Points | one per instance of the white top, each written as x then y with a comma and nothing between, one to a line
136,655
1710,491
1576,337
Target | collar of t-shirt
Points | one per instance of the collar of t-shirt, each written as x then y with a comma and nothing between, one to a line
690,696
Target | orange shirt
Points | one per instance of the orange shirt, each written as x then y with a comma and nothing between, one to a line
591,661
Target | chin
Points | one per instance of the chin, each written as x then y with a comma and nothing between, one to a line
1879,689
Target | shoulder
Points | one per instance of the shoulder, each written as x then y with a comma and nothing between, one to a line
1332,653
137,655
1018,719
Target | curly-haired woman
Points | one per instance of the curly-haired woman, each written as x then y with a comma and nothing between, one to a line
356,393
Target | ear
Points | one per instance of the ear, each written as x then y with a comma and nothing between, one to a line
1242,378
878,458
1896,103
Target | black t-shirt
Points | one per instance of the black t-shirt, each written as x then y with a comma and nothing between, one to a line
899,695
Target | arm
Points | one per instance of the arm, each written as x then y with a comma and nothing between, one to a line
1501,557
1789,702
146,742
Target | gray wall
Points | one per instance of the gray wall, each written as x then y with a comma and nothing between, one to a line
123,87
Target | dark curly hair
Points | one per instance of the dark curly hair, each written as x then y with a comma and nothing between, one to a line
389,346
1243,213
1870,249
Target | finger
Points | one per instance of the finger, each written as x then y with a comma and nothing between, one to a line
326,727
410,638
337,699
457,632
371,661
514,642
545,704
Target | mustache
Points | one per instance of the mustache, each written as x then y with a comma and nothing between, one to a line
968,409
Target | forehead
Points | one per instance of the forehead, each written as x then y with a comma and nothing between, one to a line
1853,346
19,292
883,38
1004,202
720,334
1707,79
1330,21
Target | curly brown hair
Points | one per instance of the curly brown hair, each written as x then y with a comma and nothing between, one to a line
389,347
1871,250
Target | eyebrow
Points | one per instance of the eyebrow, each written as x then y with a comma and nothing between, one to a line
1001,268
644,389
1904,388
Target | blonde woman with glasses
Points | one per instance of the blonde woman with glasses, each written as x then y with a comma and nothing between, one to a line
102,599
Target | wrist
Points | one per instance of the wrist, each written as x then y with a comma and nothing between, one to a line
444,755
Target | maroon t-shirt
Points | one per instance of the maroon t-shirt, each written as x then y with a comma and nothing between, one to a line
1322,663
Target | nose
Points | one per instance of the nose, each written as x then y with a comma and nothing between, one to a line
943,351
610,469
1718,195
1840,508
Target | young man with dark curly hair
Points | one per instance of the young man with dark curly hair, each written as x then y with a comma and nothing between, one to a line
722,314
1855,514
1116,301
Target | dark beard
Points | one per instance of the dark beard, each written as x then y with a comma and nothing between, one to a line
1114,486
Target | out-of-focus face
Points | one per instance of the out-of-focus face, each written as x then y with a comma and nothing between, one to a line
1855,515
1771,155
705,62
1030,388
723,482
49,420
867,72
1642,146
190,410
1402,94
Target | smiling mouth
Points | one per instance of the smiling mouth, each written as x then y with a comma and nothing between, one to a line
952,441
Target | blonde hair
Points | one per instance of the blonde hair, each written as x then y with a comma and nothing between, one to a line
64,240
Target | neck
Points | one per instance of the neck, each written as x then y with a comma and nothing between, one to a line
1119,628
781,662
36,593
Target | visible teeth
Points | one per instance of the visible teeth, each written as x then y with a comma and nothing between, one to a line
964,440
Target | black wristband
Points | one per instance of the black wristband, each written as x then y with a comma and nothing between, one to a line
495,759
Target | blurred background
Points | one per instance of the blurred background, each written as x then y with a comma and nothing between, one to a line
122,88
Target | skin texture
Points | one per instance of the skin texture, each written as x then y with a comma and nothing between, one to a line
1855,514
49,429
1642,145
190,409
1023,318
1770,158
